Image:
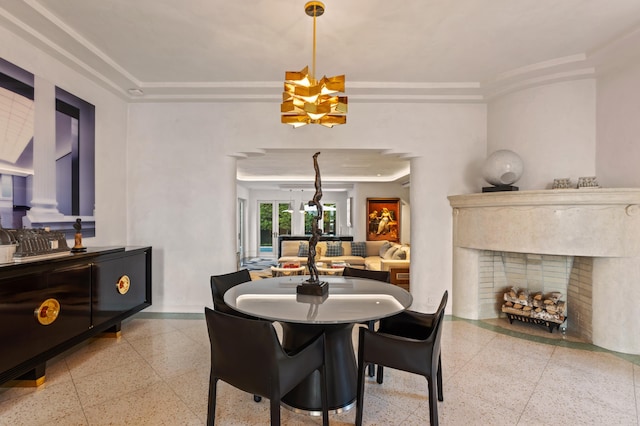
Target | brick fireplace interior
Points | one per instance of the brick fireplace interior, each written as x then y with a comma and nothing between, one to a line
569,275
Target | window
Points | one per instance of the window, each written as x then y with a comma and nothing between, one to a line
329,219
328,222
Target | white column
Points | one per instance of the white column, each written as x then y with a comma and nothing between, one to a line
225,186
431,244
616,317
465,298
44,203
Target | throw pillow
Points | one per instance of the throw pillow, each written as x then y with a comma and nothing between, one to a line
321,249
303,249
389,254
400,254
334,248
359,249
383,248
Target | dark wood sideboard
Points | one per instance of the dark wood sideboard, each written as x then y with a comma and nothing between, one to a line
48,306
400,277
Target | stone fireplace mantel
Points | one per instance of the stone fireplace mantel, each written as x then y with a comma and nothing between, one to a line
600,223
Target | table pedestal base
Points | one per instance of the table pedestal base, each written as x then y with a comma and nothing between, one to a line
319,412
341,368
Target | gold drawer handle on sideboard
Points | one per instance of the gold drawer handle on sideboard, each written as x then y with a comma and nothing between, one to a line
47,312
123,284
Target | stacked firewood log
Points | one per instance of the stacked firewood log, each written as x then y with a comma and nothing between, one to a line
547,307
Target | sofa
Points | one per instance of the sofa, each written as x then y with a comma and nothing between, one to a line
372,255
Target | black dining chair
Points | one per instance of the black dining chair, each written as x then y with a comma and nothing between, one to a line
413,325
220,284
383,276
415,350
247,354
365,273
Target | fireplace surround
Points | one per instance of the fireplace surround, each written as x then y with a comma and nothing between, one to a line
597,228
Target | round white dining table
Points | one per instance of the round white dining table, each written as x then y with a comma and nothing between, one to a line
349,301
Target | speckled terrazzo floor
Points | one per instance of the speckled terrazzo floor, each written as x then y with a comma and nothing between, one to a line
157,374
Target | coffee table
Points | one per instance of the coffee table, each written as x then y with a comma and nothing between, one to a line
326,269
282,271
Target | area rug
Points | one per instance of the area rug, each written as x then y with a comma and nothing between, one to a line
258,263
258,275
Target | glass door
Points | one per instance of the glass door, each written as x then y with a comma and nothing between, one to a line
329,219
275,220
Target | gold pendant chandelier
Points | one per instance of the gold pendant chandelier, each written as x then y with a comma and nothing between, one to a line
306,100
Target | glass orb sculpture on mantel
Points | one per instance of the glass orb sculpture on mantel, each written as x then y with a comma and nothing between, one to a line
502,169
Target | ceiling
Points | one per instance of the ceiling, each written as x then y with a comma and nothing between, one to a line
408,51
340,168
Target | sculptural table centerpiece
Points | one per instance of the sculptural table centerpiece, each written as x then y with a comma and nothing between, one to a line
313,286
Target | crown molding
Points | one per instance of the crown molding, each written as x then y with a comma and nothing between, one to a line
86,58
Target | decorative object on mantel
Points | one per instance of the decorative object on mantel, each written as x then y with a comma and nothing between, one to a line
306,100
588,182
562,183
501,169
313,286
78,247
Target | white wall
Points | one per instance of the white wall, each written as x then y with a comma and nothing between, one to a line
182,189
181,200
551,127
451,153
111,134
618,118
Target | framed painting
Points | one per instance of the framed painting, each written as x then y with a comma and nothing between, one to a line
383,219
